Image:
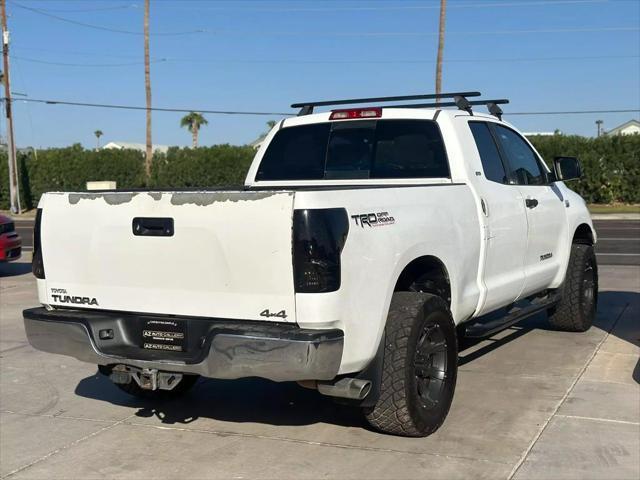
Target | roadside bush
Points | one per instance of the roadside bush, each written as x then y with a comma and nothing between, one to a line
611,167
23,179
610,164
71,167
201,167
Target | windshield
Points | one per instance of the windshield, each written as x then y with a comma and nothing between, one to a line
356,150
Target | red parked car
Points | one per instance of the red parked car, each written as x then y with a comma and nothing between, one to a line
10,241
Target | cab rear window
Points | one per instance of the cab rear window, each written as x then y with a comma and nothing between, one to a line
356,150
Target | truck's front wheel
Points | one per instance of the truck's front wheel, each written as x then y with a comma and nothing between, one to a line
419,366
576,309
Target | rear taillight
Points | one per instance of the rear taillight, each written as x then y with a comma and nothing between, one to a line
353,113
318,238
37,266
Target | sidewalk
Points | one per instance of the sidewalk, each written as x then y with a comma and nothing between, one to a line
595,431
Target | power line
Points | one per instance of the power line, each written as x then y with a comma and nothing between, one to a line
93,9
157,109
85,53
399,7
98,27
477,5
324,62
232,112
575,112
329,34
408,61
63,64
422,34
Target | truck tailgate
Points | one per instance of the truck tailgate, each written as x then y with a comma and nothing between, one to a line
229,255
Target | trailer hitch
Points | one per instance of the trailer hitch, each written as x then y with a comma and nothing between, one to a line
146,378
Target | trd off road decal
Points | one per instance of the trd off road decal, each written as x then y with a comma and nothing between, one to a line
60,295
379,219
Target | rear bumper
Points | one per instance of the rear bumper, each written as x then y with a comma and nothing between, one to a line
216,348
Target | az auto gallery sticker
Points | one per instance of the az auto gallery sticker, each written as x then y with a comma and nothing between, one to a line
379,219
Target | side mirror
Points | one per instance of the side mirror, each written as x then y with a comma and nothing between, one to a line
566,168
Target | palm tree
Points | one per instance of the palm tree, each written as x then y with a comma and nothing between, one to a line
443,9
98,134
147,86
193,121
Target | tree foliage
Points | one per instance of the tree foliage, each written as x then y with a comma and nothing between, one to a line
611,166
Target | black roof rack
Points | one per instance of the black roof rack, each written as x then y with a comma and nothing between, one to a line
459,100
306,108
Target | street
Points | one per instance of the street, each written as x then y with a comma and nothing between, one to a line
618,242
529,403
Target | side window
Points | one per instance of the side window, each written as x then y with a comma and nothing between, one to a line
489,154
409,149
522,160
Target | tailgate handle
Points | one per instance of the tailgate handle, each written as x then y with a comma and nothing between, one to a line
152,226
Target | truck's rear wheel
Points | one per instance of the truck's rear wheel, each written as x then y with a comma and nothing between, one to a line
419,366
577,307
132,387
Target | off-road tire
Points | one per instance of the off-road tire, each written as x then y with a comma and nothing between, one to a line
132,388
414,320
577,307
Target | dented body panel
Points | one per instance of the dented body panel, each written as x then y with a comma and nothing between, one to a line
212,266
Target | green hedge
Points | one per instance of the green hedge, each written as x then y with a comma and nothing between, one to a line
70,168
610,165
201,167
611,168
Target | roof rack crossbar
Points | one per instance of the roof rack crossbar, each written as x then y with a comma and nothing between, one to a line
307,107
501,101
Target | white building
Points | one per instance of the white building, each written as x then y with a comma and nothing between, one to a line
135,146
632,127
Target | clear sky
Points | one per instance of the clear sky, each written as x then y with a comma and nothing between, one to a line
265,55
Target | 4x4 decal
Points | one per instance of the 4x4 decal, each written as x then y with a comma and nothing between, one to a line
268,314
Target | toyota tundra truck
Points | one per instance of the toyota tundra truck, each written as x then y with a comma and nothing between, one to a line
366,242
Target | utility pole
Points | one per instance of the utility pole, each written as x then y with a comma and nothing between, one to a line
14,196
443,9
599,125
147,86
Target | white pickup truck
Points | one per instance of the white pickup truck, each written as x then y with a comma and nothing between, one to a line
364,243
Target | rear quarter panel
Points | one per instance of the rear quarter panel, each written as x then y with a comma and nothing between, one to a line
438,220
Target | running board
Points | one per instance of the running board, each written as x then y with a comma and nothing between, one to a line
485,330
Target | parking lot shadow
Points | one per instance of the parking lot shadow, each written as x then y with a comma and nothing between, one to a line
611,306
253,400
247,400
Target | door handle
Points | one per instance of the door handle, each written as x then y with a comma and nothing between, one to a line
531,203
152,226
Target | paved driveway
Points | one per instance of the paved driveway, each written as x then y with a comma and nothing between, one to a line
530,403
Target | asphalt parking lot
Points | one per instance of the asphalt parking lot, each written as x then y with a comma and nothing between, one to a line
530,403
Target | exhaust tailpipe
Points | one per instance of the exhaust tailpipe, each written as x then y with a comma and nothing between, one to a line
351,388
